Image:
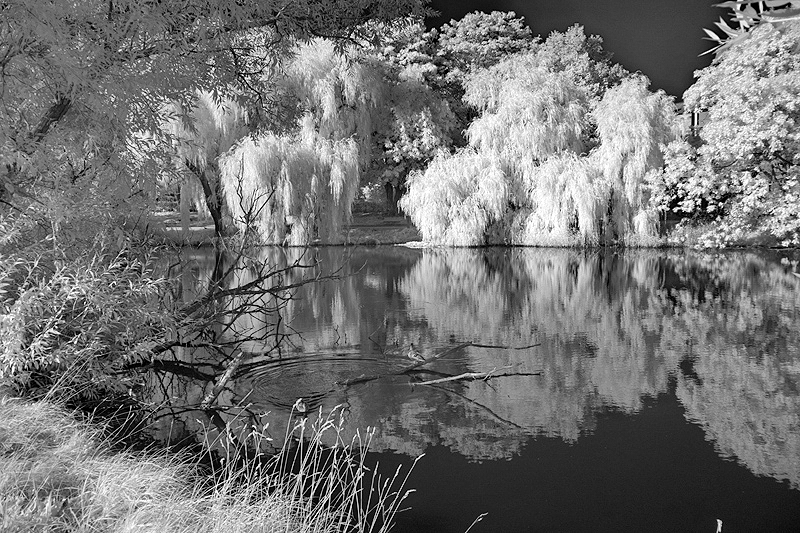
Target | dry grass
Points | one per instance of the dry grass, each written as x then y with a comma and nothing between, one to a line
59,475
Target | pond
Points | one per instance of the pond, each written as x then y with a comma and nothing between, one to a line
627,391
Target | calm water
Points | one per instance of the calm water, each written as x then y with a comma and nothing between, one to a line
667,394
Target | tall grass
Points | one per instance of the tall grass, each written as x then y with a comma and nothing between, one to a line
60,475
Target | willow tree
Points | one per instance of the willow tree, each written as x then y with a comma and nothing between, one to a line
551,158
634,126
211,128
79,77
299,186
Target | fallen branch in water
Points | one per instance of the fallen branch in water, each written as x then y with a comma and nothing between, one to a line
502,347
223,380
372,377
476,375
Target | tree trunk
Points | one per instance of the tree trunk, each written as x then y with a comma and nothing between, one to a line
211,196
55,113
393,195
391,206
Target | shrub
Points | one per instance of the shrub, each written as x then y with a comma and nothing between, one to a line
77,323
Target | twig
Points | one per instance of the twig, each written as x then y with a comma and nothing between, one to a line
476,375
465,375
480,517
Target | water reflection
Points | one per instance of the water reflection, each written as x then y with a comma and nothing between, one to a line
613,332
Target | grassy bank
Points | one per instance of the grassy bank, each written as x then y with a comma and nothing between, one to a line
60,474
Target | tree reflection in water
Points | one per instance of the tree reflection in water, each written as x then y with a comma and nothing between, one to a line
719,331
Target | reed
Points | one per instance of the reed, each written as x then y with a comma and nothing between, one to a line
60,475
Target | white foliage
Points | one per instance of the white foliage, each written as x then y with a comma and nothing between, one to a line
527,177
298,187
535,115
200,136
291,191
634,126
456,197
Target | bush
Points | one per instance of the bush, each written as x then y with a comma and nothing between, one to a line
744,177
77,323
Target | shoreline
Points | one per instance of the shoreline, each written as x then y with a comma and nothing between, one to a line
376,229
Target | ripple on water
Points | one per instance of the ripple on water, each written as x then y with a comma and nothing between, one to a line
279,383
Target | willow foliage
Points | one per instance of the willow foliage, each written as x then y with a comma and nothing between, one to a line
200,136
537,114
339,91
550,161
297,187
290,190
633,125
469,192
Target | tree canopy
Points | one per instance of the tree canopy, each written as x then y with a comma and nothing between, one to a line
558,155
479,40
102,70
744,175
298,186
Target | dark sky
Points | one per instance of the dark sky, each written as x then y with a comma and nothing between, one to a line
660,38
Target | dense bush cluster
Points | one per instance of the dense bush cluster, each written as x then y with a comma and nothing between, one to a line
744,176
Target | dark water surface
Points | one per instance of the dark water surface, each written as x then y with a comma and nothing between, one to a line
662,393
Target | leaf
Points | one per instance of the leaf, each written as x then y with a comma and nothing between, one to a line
726,28
782,16
712,36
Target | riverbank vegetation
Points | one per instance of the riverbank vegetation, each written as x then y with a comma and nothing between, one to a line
61,474
107,109
742,176
490,135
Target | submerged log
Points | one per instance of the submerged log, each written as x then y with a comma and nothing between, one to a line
364,378
476,375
